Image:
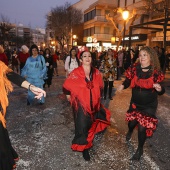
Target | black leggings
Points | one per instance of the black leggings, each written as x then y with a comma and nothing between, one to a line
106,84
141,132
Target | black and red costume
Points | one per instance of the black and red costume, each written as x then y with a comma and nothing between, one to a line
90,116
144,101
8,155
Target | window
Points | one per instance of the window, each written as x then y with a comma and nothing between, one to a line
107,11
97,30
93,13
106,30
92,30
98,12
85,18
89,16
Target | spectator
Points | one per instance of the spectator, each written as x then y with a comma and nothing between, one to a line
35,71
71,62
22,56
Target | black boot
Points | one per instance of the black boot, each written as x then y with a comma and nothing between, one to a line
138,154
86,155
128,136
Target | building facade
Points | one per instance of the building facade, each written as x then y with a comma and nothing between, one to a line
142,30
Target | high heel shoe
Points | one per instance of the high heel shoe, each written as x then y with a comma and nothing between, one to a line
138,154
86,155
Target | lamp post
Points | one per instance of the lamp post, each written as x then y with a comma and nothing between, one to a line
73,40
125,16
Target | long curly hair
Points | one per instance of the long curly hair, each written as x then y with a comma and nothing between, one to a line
153,57
75,56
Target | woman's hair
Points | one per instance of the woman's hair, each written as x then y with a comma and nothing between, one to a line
32,47
153,57
75,56
45,52
24,48
81,54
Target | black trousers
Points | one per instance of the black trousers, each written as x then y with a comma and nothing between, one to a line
106,85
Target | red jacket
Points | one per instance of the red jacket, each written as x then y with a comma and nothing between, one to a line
4,58
23,57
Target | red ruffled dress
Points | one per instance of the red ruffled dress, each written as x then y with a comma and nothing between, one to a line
143,104
90,116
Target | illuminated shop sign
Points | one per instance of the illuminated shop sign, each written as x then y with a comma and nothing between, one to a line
132,38
137,37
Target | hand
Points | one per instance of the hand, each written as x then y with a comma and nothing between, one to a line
68,97
157,87
38,92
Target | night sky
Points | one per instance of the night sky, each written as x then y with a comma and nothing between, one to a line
29,12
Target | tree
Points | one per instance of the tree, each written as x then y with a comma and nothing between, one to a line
5,27
61,20
118,19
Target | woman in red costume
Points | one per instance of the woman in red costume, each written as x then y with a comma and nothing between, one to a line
83,89
8,155
144,78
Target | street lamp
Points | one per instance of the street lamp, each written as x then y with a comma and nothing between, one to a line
125,16
73,40
113,40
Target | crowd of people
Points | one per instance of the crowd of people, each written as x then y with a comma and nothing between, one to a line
90,76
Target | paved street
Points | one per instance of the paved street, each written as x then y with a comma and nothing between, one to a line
42,134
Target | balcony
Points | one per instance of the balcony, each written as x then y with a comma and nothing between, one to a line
100,18
100,37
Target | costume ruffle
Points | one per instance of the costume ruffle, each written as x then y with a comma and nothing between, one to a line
148,122
100,123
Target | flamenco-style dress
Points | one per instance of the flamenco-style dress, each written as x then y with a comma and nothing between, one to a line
144,102
90,116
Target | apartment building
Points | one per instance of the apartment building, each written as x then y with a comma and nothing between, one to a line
149,24
38,35
143,31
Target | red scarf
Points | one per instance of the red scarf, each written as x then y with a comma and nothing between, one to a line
80,89
156,77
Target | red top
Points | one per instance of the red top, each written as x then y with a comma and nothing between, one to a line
55,57
23,57
4,58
